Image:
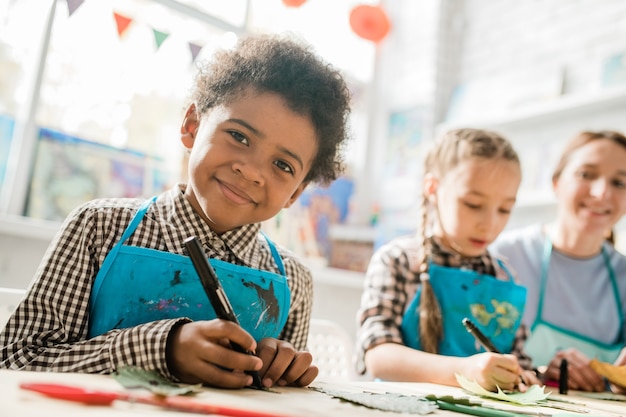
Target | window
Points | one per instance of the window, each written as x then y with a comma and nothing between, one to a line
91,97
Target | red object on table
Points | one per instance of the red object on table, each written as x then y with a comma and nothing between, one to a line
98,397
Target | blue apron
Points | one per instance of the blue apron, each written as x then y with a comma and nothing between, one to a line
546,339
139,285
495,307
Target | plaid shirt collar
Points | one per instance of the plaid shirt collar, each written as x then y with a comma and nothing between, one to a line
441,255
242,242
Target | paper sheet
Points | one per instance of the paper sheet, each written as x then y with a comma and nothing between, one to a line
533,396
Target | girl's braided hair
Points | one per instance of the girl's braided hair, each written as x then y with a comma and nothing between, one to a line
447,152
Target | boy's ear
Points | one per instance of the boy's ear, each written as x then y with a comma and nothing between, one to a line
296,194
430,187
189,127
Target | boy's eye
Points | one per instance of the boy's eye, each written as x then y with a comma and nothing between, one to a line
284,166
472,206
239,137
504,211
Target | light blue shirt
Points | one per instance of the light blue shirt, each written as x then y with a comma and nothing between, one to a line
578,295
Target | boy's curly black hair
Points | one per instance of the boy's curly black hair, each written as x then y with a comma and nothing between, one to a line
285,66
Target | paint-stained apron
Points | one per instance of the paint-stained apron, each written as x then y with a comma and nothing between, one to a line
139,285
495,307
546,338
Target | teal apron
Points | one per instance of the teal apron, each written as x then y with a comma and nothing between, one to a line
546,339
495,306
139,285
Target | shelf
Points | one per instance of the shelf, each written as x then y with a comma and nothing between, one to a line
27,227
565,106
334,276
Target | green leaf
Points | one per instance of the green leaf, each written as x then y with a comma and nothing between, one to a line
133,377
533,396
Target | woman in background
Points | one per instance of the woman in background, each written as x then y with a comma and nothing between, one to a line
576,280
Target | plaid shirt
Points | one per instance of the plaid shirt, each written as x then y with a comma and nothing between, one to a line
391,282
48,331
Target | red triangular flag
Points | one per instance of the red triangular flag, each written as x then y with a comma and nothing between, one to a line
122,23
72,5
195,50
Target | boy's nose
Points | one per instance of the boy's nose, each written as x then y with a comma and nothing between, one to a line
249,171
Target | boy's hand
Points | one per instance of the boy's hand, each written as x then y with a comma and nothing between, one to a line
200,352
283,365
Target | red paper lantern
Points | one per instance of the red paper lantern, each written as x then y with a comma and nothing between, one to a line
370,22
293,3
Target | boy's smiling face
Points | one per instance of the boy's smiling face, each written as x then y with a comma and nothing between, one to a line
248,159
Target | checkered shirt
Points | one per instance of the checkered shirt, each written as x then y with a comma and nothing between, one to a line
391,282
48,331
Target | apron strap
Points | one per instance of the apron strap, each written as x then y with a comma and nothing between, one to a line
545,265
275,254
108,261
505,269
618,302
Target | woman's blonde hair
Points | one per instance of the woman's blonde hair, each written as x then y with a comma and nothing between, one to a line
447,152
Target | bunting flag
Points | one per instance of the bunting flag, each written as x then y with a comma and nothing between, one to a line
195,50
159,37
72,5
122,23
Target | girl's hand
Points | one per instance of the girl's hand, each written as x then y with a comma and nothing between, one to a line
528,378
200,352
283,365
580,375
491,370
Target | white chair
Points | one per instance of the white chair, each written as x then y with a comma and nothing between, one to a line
9,299
332,350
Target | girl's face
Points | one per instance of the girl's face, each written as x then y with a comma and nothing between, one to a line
591,190
248,159
473,202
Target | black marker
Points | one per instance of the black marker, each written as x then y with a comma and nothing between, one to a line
563,376
484,341
217,296
478,335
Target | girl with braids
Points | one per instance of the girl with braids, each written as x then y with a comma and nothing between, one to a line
419,288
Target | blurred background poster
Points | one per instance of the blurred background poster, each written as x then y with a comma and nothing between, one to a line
69,171
6,133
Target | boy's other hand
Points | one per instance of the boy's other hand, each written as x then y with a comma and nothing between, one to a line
283,365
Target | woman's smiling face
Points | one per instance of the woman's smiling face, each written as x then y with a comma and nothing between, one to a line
591,189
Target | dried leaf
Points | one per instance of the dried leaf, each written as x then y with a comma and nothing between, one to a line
533,396
388,401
